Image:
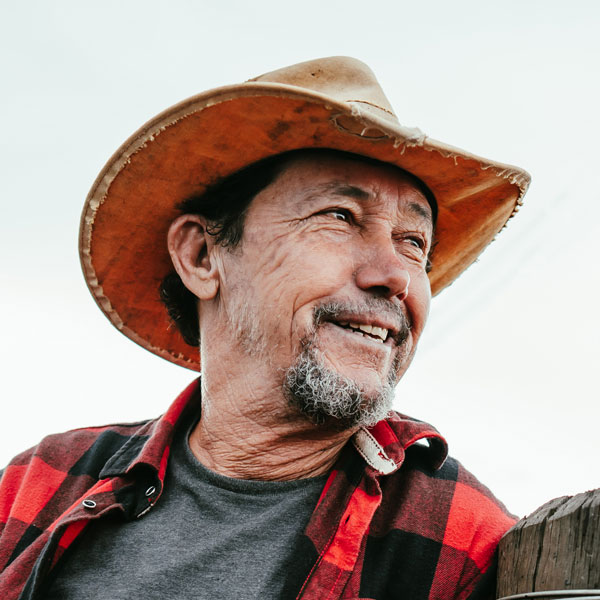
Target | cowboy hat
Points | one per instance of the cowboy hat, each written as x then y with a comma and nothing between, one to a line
326,103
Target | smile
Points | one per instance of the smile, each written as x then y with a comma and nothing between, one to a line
377,334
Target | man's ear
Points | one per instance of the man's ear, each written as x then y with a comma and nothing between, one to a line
190,247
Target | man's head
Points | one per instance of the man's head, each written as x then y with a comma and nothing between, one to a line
333,102
224,206
331,242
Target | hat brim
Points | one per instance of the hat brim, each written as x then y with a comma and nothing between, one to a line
129,209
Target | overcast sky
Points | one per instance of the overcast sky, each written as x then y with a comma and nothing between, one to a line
507,369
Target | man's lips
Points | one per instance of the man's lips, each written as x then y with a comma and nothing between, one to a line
360,337
375,319
375,328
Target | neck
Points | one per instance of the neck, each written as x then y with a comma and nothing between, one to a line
248,431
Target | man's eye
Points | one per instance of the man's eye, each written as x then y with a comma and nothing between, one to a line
416,242
340,214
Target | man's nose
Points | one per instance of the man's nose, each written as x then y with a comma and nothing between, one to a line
383,272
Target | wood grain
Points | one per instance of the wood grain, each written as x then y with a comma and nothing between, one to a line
557,547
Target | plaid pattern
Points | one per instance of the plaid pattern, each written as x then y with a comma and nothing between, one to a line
396,519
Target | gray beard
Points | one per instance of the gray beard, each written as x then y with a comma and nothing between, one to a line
327,398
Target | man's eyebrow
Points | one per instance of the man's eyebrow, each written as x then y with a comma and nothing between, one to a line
351,191
420,210
339,189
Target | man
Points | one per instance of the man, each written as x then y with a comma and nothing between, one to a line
300,262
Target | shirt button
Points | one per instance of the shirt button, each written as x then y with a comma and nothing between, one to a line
150,491
89,503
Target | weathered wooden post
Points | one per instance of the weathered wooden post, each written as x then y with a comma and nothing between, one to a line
554,552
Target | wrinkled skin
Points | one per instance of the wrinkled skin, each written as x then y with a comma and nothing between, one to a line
326,233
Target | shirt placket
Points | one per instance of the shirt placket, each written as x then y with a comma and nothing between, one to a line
97,502
338,528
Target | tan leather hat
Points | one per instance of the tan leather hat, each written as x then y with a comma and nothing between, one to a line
326,103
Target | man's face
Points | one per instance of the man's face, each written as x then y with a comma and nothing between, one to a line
329,287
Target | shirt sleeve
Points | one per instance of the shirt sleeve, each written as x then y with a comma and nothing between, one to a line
485,589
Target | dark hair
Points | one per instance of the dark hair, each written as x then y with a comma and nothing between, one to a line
224,206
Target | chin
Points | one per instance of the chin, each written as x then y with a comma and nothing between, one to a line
332,399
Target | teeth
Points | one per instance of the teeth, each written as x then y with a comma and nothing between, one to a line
379,332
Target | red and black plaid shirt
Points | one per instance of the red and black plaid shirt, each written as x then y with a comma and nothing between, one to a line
396,519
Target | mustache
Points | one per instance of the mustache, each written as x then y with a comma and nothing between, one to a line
334,310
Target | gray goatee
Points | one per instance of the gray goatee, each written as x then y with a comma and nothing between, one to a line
326,397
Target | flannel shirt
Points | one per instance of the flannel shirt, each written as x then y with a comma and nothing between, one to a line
396,519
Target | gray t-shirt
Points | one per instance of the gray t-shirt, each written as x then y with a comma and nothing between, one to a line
208,537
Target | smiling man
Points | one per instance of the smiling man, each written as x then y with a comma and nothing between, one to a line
301,334
289,224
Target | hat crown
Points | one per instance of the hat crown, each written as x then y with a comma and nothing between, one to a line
343,78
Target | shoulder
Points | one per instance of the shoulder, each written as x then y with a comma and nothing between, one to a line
475,522
472,518
448,509
476,518
74,457
436,520
63,450
463,511
428,469
454,516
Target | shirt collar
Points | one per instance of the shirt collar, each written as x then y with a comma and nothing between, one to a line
151,444
382,447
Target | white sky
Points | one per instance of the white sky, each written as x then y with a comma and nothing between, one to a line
507,367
